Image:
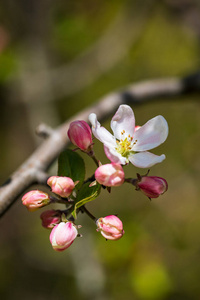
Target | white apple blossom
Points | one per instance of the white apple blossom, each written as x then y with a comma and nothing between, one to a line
130,144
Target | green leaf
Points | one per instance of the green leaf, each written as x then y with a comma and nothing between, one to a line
71,164
85,195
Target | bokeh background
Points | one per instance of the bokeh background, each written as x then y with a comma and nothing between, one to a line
58,57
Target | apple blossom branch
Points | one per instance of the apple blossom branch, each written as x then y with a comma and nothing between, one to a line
34,169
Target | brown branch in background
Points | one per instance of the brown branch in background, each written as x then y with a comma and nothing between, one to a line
187,12
37,82
36,74
33,170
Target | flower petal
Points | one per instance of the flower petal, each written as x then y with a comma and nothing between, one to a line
114,156
123,120
151,134
145,159
100,132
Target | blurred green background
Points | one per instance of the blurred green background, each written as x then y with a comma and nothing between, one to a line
58,57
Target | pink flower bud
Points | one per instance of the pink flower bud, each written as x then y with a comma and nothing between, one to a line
80,134
110,174
35,199
152,186
63,235
50,218
62,186
111,227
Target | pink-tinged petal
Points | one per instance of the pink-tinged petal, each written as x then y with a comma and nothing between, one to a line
109,236
62,186
114,156
80,135
100,132
152,186
63,235
123,120
50,218
110,174
35,199
145,159
151,134
111,227
137,127
67,233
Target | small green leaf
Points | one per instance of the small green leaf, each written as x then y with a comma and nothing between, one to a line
85,195
71,164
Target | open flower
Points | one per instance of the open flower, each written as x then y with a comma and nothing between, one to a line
128,143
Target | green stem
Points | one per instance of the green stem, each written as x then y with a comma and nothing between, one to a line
84,209
59,200
92,155
132,181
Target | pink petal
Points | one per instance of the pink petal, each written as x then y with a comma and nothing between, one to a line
145,159
151,134
100,132
123,120
114,156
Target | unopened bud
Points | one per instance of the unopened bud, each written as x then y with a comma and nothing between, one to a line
110,174
35,199
152,186
111,227
62,186
63,235
80,135
50,218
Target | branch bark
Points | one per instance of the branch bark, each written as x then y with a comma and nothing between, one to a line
33,170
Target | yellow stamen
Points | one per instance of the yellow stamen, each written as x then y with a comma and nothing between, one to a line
124,146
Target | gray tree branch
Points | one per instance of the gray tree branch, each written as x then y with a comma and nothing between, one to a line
34,169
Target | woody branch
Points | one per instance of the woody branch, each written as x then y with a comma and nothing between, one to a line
34,169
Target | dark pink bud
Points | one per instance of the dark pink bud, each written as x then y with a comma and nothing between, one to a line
152,186
62,186
63,235
110,174
50,218
111,227
35,199
80,134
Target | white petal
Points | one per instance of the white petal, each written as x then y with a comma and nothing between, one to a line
114,156
145,159
100,132
151,134
124,119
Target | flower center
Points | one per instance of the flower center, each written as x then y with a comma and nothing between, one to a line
124,146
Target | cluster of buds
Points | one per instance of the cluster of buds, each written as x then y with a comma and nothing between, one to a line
128,144
63,232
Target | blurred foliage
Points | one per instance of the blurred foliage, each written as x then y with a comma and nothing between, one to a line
158,256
